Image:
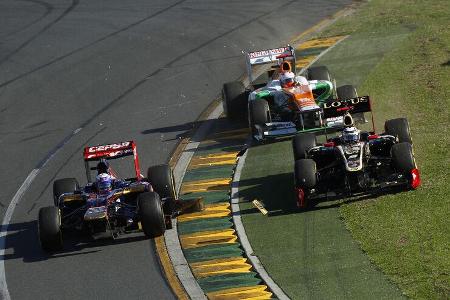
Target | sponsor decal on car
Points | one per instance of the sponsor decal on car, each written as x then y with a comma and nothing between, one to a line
108,147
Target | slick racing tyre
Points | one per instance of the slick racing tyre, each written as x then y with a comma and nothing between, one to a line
318,73
305,173
234,100
346,92
301,143
162,181
151,214
403,157
399,128
49,227
259,114
62,186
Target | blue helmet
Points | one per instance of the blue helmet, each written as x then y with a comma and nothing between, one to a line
104,183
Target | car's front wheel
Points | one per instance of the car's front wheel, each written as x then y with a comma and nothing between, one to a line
305,179
151,214
49,222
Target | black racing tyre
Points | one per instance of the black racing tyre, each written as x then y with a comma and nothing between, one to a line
403,157
49,226
234,100
259,113
162,181
398,128
305,173
64,185
151,214
318,73
346,92
301,143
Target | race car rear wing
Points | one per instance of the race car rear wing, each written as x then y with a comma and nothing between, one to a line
352,106
270,56
111,151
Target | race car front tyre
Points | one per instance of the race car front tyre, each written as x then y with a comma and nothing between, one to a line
318,73
346,92
49,227
305,173
151,214
403,157
234,100
162,181
64,185
259,113
301,143
399,128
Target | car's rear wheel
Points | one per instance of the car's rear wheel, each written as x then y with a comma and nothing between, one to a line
346,92
399,128
62,186
301,143
151,214
49,226
234,100
318,73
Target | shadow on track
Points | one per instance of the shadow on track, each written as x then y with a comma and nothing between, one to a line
23,242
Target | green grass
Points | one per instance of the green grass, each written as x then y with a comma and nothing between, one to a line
311,255
398,53
407,235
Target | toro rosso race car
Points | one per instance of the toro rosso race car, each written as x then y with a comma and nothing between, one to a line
277,108
109,206
354,162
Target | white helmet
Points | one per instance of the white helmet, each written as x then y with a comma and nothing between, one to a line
287,79
350,135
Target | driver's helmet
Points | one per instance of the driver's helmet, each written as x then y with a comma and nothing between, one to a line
104,183
287,79
350,135
103,166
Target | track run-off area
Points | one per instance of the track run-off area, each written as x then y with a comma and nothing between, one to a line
77,73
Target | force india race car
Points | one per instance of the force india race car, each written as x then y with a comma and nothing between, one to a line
274,111
129,205
342,167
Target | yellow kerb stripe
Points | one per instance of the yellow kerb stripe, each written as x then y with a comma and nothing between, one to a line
304,61
204,238
317,43
217,184
169,271
218,210
221,267
213,160
248,292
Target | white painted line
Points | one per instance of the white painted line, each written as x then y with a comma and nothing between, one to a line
4,293
243,239
5,224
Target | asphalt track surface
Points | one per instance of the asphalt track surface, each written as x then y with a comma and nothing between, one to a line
112,71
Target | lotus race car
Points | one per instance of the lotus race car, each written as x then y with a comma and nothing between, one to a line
131,203
364,163
274,111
